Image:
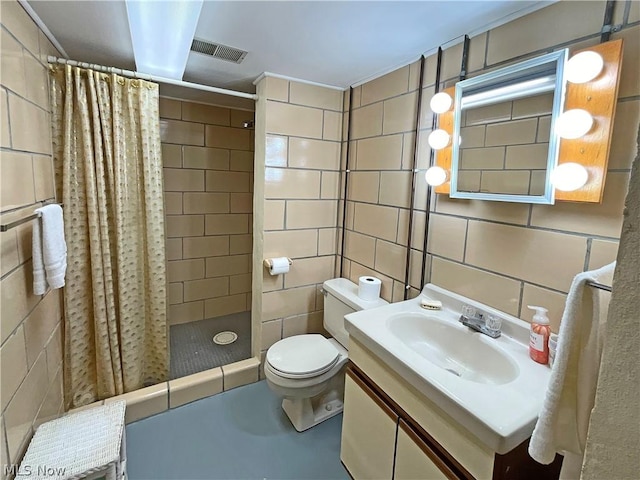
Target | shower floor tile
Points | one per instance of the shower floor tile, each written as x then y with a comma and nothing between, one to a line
192,348
239,434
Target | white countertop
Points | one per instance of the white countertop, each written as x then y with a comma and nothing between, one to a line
501,416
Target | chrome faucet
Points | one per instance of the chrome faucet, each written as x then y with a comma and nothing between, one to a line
476,321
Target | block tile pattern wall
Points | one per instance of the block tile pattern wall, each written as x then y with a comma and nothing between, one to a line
31,325
379,184
208,183
302,162
503,254
513,255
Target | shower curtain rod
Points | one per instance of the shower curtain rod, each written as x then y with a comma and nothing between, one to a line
152,78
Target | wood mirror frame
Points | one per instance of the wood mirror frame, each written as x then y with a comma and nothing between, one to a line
598,97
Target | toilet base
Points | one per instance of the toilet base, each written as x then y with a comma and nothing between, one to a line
310,401
305,413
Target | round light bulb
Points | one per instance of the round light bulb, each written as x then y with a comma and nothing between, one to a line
574,123
441,102
569,177
435,176
584,67
438,139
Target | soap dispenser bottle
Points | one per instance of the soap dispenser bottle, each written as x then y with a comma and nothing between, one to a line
539,337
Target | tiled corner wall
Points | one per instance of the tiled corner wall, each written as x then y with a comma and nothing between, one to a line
302,128
208,183
31,325
379,185
506,255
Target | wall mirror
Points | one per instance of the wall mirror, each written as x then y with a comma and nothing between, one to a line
503,143
535,132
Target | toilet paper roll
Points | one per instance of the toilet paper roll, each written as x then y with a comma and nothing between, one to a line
369,288
279,265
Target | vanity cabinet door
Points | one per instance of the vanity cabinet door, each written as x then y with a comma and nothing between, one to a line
415,460
368,432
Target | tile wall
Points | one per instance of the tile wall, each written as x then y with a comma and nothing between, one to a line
502,254
379,185
31,327
208,183
301,125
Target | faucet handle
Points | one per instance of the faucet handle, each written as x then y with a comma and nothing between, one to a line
493,323
468,311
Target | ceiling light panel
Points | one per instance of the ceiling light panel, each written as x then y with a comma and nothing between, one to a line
161,33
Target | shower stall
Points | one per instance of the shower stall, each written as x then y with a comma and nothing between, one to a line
208,156
195,315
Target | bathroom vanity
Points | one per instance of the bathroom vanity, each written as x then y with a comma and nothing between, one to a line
427,398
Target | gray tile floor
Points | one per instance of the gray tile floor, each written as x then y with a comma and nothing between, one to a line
193,350
239,434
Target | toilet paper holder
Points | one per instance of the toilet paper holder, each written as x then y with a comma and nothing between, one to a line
268,263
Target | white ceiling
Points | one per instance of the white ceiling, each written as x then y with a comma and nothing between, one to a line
336,43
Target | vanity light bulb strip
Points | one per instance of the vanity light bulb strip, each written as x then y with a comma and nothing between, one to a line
439,139
569,177
441,102
436,176
574,123
584,67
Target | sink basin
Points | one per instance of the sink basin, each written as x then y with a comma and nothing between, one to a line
457,350
490,386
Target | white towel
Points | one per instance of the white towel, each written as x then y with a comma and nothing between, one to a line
49,249
564,419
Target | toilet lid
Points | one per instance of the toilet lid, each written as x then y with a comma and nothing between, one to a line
302,356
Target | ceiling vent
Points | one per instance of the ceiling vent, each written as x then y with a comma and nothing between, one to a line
215,50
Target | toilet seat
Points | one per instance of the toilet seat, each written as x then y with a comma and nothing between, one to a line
308,371
302,356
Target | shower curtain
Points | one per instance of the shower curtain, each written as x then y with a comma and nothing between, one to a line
106,139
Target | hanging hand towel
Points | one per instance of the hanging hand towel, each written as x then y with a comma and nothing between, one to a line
564,420
49,249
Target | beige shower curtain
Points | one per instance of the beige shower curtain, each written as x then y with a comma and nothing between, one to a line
106,139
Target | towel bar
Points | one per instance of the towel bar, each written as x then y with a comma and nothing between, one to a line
9,226
599,286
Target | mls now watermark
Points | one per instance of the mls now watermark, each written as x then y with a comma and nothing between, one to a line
37,470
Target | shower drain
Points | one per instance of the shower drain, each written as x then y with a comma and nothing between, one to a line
225,338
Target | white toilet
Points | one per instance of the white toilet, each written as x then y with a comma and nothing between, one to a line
307,370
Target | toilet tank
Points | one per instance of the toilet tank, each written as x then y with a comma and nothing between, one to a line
340,299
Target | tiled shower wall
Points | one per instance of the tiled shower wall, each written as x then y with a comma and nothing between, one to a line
303,125
506,255
31,325
208,183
